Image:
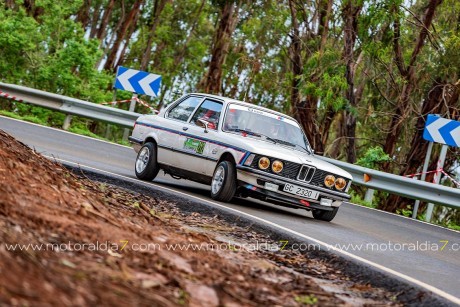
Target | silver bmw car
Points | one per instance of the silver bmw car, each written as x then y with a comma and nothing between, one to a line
239,149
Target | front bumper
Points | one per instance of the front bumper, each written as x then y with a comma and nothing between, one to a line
254,182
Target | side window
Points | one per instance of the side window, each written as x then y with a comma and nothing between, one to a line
210,112
183,110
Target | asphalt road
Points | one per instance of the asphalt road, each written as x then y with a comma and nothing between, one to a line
410,247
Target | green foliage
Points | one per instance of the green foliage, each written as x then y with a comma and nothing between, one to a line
84,131
407,212
51,53
453,226
356,199
373,157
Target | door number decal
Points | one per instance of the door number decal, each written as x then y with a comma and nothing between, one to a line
194,145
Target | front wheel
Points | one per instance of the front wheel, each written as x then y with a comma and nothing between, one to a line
146,167
324,215
223,186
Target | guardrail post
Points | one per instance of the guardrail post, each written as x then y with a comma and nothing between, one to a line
425,168
369,196
67,121
132,106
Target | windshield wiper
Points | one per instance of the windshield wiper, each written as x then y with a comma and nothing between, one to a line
287,143
284,142
244,131
306,150
254,134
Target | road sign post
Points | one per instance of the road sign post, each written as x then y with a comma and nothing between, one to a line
425,169
437,178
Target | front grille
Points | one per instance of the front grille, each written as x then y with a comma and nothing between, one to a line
290,169
306,173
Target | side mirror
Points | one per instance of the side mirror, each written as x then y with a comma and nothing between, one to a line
203,124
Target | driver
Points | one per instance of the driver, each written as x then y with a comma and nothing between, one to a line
212,117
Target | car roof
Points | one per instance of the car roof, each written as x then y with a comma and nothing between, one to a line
231,100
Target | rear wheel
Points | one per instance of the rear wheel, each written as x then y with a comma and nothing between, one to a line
146,167
223,186
324,215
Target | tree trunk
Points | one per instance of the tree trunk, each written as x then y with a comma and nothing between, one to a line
408,74
83,14
350,14
212,82
325,9
95,18
181,54
121,33
157,9
132,28
105,20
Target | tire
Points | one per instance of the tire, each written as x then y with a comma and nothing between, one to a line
223,186
324,215
146,166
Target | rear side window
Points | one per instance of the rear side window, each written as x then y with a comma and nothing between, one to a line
210,112
184,109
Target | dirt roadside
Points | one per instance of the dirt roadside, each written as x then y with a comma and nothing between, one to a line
71,241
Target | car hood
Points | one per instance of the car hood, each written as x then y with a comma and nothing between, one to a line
282,152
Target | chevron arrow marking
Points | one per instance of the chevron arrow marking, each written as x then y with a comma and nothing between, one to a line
456,135
433,130
149,85
136,81
123,79
442,130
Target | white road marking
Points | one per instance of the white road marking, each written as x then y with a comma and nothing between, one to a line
404,217
412,280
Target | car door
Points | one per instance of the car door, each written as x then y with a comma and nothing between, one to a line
174,124
198,144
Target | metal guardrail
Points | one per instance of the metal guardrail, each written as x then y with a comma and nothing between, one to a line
70,105
382,181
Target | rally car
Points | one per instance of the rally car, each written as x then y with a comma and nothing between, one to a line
239,149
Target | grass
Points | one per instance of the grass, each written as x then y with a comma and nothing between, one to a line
27,118
85,132
356,199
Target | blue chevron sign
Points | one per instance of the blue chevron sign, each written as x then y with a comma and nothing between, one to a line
137,81
442,130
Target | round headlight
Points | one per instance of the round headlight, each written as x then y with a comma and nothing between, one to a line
340,183
264,163
329,181
277,166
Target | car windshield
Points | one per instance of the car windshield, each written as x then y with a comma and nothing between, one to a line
267,125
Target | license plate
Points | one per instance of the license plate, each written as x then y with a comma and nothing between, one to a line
271,186
300,191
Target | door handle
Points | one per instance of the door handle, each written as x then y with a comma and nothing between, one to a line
185,128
